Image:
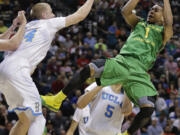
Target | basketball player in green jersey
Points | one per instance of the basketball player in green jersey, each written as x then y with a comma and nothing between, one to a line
130,67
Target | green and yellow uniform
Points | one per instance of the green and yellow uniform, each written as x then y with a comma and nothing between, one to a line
137,56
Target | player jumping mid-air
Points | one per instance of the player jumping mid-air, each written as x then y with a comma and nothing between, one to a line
130,67
15,71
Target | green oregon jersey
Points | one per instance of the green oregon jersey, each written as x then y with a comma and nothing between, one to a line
144,43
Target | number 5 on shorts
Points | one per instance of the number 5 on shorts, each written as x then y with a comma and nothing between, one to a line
109,111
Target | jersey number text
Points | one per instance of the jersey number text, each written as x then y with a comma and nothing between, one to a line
109,111
29,36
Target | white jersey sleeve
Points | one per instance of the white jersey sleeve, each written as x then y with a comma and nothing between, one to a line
57,23
91,87
77,115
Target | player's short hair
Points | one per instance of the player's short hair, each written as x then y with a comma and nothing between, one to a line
37,10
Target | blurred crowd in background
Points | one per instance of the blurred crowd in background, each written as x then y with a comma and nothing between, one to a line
100,35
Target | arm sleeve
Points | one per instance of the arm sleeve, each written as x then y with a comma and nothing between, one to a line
77,115
57,23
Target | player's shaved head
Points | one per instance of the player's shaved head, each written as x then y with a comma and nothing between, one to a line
38,9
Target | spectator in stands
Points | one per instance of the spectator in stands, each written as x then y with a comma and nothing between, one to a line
90,40
58,122
100,45
162,119
176,126
58,84
68,43
171,66
160,104
178,73
82,61
170,101
168,131
154,128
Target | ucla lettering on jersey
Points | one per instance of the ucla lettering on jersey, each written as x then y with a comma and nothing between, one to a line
110,97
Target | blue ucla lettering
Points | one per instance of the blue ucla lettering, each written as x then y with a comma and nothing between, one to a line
104,95
85,119
116,100
110,97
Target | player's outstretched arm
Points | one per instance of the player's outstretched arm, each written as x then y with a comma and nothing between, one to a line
80,14
13,43
168,21
127,12
85,99
127,106
72,128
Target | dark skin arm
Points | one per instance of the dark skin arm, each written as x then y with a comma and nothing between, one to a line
168,21
128,15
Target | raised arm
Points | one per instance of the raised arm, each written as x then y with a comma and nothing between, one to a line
80,14
85,99
168,21
10,31
128,15
13,43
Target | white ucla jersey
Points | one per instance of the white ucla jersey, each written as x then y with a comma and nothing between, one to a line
105,112
82,116
37,40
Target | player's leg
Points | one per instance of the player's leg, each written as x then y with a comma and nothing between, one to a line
37,125
28,123
142,118
22,125
143,95
93,69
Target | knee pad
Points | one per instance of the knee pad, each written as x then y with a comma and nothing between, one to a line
146,111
